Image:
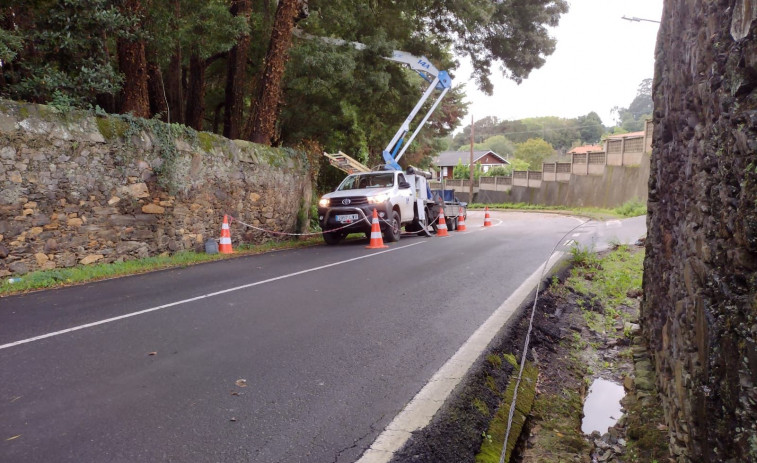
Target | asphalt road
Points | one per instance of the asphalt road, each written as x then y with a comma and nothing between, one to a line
292,356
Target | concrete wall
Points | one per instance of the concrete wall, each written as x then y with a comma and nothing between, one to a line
78,189
616,186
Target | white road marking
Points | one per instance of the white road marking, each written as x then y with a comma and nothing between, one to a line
575,235
193,299
419,411
613,223
569,243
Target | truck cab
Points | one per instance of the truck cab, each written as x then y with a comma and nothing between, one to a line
396,196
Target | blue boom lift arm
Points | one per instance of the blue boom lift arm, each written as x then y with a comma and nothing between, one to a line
438,81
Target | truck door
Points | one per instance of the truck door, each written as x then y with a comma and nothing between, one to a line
407,196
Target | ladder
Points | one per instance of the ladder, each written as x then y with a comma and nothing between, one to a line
345,163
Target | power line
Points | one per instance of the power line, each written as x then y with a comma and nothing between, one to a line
634,18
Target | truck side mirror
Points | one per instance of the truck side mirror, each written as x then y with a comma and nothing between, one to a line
404,185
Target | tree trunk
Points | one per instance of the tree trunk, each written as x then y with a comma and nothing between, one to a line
132,62
217,117
156,92
196,93
266,106
174,84
175,88
235,76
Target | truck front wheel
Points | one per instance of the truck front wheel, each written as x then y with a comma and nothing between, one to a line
333,237
392,232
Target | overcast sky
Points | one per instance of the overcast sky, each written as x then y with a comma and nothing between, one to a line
599,63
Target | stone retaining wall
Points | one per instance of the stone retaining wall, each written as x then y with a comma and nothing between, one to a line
79,188
699,312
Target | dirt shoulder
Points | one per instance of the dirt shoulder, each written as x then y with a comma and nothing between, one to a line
585,327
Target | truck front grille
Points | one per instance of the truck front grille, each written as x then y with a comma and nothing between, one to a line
350,201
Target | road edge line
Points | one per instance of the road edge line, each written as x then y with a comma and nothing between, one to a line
418,413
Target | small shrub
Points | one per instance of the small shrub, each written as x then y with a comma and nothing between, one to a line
633,208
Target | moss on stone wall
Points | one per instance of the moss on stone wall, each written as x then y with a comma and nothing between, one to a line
491,447
206,140
111,128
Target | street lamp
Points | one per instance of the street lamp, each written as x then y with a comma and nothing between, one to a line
634,18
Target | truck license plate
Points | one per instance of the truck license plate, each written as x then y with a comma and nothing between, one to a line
347,218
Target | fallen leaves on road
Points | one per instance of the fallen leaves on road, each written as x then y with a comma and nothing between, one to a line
14,437
153,353
241,382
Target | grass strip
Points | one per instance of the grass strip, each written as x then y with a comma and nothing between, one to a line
47,279
608,281
633,208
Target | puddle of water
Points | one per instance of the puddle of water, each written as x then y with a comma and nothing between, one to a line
602,406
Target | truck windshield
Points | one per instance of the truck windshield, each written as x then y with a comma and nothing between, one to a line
357,181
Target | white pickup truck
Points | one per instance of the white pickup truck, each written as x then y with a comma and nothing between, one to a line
400,199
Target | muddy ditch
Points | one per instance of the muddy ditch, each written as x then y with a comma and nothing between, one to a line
578,339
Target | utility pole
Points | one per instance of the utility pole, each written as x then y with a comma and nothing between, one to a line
470,190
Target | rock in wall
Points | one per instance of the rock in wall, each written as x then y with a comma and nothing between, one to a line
79,188
699,311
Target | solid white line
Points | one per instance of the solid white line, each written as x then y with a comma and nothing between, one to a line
197,298
421,409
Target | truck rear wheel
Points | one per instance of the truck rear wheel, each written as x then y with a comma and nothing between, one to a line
392,232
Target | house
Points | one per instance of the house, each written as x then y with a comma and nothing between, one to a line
586,149
447,160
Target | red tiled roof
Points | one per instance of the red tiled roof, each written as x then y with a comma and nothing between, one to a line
626,135
585,149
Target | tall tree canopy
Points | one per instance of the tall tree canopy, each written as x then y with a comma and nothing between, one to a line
631,119
562,134
233,66
534,151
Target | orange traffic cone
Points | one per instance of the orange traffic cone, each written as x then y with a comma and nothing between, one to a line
487,219
461,221
224,246
441,229
377,242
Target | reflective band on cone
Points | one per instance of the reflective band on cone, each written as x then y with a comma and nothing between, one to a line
377,241
461,221
224,246
441,229
487,219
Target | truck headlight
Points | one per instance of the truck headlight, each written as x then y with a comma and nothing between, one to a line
378,199
324,202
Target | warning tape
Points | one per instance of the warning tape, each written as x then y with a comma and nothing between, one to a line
272,232
427,225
